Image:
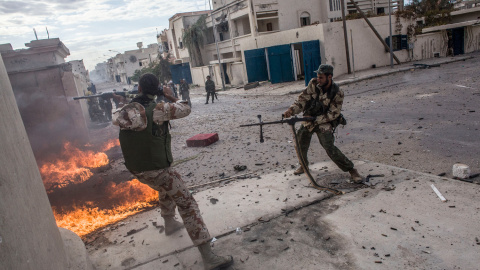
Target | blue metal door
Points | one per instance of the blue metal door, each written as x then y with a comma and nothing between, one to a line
256,65
311,58
280,63
181,71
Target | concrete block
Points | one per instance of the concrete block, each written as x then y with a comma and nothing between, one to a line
461,171
200,140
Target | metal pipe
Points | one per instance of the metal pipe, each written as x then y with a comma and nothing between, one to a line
390,28
345,36
353,55
218,51
374,30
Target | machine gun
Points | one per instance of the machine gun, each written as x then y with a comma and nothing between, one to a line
291,121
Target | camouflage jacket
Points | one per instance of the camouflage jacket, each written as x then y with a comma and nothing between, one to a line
334,107
209,86
132,116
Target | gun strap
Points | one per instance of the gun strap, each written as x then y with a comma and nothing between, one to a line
305,167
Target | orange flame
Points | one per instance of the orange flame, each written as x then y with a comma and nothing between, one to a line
110,144
73,169
135,196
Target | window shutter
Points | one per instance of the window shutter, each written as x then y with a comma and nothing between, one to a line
404,41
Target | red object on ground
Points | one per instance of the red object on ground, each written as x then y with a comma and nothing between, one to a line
200,140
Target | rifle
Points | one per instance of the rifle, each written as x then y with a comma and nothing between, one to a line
107,95
291,121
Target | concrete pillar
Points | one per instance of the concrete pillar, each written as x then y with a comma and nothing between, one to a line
29,236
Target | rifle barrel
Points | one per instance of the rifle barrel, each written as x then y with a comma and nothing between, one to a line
289,121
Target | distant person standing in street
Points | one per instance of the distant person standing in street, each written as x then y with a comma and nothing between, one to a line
185,91
323,100
210,88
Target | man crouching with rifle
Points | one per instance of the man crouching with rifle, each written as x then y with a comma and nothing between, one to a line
145,141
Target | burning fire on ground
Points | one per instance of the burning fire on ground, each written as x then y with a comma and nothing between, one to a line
88,218
74,167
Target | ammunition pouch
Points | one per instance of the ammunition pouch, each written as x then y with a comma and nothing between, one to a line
340,120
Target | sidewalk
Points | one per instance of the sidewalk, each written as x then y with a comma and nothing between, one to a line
266,88
399,223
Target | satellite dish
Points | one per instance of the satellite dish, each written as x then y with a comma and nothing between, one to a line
133,58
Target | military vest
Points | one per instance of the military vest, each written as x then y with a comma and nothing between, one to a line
315,106
149,149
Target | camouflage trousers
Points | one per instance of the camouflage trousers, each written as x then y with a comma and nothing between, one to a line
173,193
327,140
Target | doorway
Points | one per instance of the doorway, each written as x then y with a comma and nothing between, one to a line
297,55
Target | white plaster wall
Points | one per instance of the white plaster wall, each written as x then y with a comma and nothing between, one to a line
472,38
25,61
426,45
171,43
289,12
199,75
236,73
471,14
368,50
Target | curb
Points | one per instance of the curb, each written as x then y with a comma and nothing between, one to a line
402,69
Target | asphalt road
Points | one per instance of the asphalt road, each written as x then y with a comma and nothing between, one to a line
423,120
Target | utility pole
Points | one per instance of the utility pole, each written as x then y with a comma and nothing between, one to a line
390,28
374,31
345,37
218,51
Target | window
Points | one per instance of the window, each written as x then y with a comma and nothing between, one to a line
304,19
180,44
380,10
399,42
140,63
269,27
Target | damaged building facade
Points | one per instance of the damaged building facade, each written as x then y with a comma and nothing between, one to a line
241,25
43,85
281,41
123,65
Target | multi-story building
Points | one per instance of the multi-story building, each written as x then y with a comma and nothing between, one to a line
236,25
123,65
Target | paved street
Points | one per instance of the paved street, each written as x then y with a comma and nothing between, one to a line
409,126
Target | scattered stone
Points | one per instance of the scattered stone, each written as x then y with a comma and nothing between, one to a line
461,171
395,229
213,201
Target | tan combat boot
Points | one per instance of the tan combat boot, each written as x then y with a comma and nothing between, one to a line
171,225
212,261
299,171
355,177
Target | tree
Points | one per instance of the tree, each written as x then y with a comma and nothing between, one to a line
160,68
193,38
435,12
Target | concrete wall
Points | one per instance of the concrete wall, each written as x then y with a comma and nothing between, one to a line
368,50
236,73
49,117
471,14
472,38
29,236
427,45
